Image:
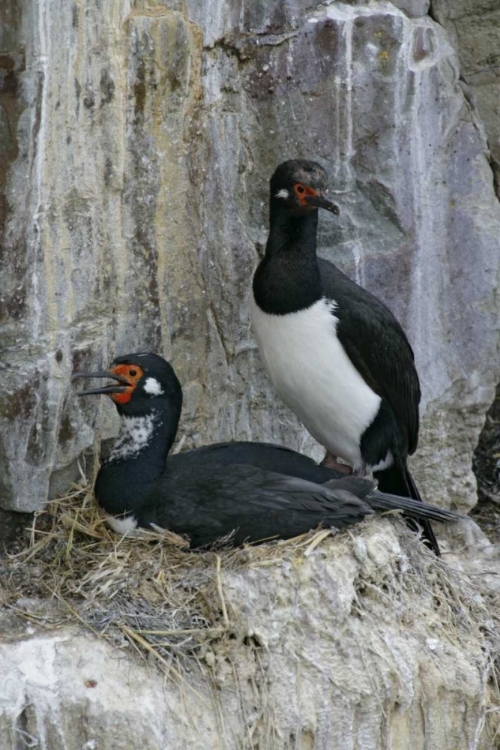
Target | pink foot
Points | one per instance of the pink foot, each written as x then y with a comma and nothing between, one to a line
330,462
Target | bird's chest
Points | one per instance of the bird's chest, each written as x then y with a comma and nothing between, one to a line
314,376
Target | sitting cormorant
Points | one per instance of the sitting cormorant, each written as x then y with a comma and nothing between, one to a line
240,491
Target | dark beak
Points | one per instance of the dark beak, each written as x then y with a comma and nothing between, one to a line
321,202
107,388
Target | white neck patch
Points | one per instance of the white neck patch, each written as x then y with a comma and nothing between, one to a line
153,387
135,435
282,194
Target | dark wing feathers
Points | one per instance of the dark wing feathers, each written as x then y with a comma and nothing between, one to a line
373,338
264,455
360,486
257,504
290,493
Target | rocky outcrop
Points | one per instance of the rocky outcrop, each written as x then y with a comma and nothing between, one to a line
141,140
473,28
360,642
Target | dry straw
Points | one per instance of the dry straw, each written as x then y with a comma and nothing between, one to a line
151,591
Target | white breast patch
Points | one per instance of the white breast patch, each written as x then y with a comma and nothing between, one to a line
315,378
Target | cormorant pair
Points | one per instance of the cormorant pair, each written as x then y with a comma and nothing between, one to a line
337,357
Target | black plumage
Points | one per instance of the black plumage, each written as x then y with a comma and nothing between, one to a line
291,278
237,491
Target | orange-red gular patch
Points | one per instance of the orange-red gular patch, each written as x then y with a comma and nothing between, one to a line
132,374
303,192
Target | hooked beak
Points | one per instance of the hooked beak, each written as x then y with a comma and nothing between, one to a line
320,201
107,388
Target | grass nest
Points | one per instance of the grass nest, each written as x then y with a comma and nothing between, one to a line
150,592
156,597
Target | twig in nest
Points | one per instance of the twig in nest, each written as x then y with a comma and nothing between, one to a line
134,636
221,593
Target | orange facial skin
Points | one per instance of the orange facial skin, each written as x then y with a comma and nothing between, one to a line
132,373
303,192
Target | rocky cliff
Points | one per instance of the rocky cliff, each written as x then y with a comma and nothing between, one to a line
137,140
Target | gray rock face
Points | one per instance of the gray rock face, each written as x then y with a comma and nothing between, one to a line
473,26
414,8
144,138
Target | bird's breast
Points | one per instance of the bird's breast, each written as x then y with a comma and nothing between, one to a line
314,376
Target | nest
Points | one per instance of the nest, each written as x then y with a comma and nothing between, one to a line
167,603
151,592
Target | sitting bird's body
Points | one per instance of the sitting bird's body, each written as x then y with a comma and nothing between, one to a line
237,491
335,353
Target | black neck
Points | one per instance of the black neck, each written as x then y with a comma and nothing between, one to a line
125,481
288,279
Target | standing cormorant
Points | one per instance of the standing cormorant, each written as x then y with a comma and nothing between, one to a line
335,353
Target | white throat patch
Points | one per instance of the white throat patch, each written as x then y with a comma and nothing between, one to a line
153,387
135,435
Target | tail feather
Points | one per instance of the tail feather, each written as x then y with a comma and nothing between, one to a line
412,508
397,480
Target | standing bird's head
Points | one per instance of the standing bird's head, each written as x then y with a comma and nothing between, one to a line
142,380
300,187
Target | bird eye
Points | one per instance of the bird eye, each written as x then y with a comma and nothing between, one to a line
300,189
132,373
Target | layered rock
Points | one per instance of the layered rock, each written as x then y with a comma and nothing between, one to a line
473,28
137,210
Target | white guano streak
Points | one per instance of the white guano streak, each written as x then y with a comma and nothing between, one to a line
44,46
